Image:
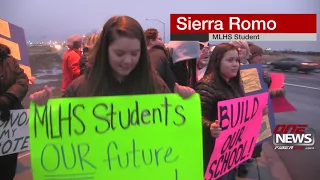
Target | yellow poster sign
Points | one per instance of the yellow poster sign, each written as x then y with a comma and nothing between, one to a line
5,29
14,47
251,83
250,79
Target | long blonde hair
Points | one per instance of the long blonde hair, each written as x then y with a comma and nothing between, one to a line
242,44
91,40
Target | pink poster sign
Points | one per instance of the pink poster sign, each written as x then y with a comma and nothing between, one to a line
240,120
277,80
279,104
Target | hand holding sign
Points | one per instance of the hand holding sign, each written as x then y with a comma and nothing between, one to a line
215,129
183,91
42,97
32,79
241,120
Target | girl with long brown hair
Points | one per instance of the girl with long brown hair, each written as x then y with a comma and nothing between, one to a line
120,65
221,82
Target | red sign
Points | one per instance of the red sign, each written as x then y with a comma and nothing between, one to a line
290,129
279,104
242,23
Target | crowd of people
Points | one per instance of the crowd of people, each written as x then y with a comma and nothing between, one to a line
123,59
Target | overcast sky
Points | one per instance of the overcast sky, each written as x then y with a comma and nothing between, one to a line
45,20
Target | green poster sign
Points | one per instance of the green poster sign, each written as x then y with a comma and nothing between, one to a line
139,137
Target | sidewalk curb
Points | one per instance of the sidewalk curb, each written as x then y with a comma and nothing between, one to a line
276,166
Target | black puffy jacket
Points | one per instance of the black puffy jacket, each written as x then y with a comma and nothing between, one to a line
212,90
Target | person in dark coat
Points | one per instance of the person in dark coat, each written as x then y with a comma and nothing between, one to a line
13,88
160,57
256,57
184,60
89,43
220,82
203,61
161,61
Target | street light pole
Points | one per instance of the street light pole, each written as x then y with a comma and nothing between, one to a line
164,27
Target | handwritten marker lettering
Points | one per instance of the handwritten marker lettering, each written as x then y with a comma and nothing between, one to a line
137,157
14,135
240,121
117,138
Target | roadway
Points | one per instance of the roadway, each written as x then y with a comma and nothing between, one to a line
303,91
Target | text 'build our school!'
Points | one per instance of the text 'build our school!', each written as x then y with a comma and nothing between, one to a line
250,27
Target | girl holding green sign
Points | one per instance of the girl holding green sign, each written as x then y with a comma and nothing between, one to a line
120,66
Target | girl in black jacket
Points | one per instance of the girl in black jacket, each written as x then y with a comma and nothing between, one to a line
221,82
13,88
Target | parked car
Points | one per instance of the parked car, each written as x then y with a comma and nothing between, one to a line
294,65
